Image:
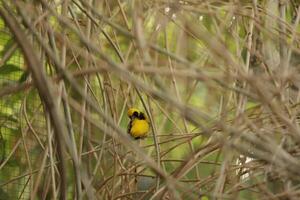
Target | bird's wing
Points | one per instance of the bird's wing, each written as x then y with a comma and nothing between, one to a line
129,126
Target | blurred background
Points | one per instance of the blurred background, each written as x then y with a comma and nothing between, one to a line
218,80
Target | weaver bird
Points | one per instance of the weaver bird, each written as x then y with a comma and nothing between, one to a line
138,126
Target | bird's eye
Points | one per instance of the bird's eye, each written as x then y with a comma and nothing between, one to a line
135,114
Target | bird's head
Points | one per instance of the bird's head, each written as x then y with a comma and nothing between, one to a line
133,112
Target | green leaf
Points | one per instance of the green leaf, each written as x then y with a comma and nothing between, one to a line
23,77
7,46
9,68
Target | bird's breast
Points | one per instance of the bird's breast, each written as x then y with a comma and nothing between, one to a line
139,128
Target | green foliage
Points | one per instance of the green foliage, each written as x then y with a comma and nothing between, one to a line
9,69
10,42
24,77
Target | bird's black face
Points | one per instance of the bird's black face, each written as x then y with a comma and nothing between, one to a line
142,116
134,115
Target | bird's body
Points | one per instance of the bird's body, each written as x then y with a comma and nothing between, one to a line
138,126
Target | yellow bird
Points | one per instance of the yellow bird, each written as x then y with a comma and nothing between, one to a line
138,126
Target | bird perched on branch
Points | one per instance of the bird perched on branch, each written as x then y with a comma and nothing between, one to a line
138,126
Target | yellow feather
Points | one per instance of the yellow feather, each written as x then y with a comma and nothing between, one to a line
131,111
139,128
